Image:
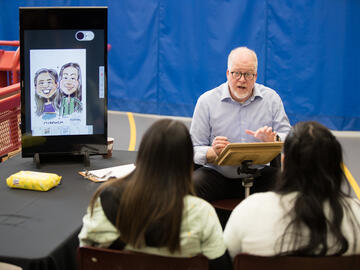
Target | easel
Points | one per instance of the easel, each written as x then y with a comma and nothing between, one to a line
246,154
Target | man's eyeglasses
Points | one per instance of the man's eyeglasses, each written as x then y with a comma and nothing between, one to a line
237,75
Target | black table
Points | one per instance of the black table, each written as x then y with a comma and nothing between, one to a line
38,230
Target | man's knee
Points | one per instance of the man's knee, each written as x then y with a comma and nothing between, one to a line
209,184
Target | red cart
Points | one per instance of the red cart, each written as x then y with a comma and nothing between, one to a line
10,135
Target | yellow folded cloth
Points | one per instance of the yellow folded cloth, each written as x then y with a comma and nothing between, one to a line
33,180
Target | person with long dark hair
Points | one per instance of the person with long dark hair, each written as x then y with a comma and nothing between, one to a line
70,89
153,209
308,213
46,83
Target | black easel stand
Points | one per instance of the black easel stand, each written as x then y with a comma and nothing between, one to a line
85,157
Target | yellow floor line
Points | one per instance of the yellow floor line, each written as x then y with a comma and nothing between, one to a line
352,181
132,125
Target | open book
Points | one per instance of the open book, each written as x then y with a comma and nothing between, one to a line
257,153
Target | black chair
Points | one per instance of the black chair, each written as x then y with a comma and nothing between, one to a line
91,258
252,262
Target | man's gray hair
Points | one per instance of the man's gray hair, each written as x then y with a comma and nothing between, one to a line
239,50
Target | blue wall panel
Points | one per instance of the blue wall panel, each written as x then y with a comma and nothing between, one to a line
313,59
166,53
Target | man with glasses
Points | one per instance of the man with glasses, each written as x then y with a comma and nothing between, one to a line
238,110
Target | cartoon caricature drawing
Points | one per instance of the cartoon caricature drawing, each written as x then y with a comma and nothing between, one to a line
70,89
46,83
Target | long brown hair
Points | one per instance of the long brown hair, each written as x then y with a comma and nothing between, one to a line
152,195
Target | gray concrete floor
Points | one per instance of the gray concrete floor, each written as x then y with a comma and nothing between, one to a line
119,129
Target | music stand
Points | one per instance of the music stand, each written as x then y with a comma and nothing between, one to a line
246,154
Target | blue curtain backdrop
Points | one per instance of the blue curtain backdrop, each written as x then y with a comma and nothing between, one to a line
166,53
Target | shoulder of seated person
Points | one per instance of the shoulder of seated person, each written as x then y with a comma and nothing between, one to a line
260,196
196,203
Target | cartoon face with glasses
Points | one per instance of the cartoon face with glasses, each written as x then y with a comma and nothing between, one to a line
46,83
70,89
241,75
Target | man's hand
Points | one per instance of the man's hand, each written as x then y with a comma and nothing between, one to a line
216,148
264,134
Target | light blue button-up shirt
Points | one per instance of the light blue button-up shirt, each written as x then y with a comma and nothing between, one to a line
217,114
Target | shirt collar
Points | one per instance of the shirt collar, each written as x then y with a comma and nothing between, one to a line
225,92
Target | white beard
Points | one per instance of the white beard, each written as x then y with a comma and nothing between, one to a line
241,96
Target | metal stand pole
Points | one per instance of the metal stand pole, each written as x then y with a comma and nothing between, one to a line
247,184
248,180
